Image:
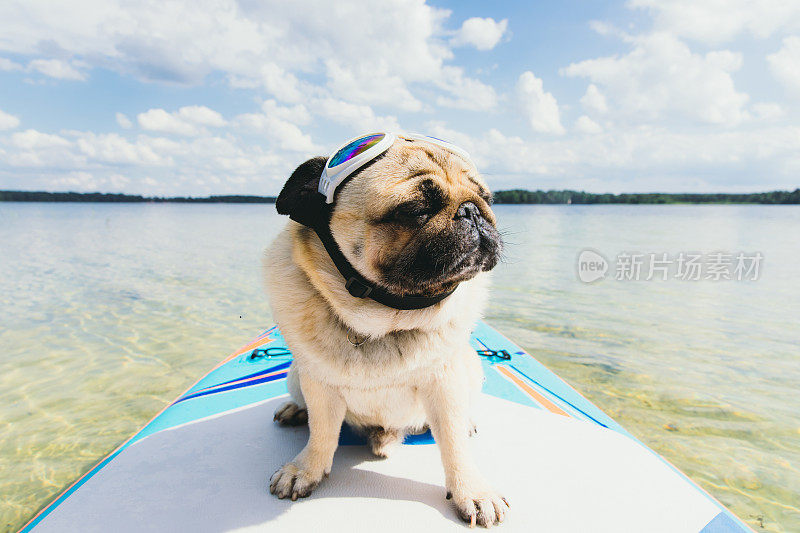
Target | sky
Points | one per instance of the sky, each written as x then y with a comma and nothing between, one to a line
229,96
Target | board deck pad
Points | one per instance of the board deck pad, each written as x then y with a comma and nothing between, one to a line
203,463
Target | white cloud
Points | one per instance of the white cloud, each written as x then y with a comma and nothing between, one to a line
785,64
593,100
84,160
360,118
370,85
8,121
605,29
586,125
30,139
115,149
718,21
540,107
82,181
123,121
280,125
482,33
77,180
188,120
288,136
282,84
661,76
638,158
198,114
32,148
768,110
464,92
8,65
55,68
368,56
162,121
80,150
296,114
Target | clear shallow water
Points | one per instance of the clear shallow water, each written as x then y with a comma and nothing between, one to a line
107,312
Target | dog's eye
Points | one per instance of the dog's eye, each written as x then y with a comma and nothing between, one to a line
414,212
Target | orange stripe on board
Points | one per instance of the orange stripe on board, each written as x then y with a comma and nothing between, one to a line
550,406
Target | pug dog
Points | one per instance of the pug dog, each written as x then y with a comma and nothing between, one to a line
414,221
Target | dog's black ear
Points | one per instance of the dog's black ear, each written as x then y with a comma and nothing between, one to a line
299,198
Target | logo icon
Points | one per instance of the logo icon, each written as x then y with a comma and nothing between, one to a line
591,266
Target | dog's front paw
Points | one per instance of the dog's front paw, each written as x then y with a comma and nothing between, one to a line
291,414
293,480
482,506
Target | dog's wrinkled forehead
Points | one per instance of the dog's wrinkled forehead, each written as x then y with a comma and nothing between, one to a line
410,166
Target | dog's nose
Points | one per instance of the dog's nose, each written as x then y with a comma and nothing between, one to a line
468,210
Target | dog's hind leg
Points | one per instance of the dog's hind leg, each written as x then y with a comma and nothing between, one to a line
293,412
382,440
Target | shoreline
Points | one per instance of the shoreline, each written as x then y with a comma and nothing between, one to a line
505,197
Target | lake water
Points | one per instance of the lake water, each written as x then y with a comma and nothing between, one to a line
108,311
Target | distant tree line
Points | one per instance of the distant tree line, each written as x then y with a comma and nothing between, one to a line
37,196
521,196
515,196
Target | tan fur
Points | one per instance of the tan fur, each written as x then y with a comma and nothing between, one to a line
416,368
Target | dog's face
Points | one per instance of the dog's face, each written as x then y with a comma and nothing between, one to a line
416,220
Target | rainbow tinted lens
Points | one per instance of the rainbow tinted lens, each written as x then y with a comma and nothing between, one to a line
352,149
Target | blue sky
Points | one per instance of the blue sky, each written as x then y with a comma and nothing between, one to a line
228,97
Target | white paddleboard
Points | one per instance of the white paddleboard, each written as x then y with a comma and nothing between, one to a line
204,462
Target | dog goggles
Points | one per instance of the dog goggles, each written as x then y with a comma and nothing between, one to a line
357,152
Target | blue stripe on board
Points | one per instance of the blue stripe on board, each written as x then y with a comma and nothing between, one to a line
557,396
722,523
482,343
232,387
64,495
254,374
